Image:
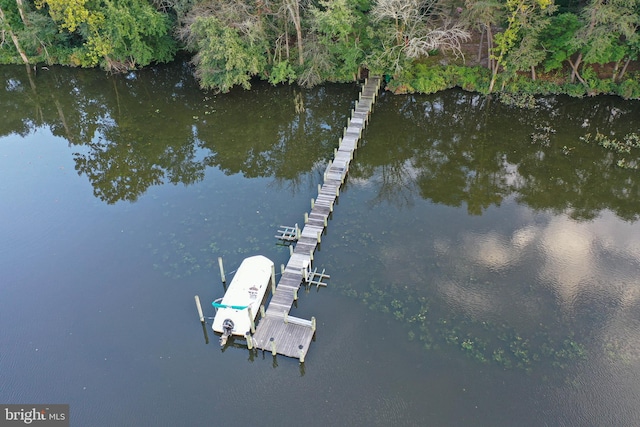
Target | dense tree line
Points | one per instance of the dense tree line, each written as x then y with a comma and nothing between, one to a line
425,45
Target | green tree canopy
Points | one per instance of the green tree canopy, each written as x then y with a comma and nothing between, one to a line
116,34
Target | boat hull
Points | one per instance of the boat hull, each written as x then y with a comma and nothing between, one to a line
242,300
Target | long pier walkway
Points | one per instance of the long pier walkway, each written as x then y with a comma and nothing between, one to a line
278,332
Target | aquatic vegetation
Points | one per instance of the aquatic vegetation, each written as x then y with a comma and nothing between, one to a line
628,145
615,351
542,135
480,340
518,99
195,242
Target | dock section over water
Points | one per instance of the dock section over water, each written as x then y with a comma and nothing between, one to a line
278,332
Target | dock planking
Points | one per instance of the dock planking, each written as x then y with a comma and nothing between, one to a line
277,331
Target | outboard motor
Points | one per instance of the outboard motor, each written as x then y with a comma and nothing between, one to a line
227,327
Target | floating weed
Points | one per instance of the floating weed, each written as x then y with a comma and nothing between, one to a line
480,340
499,356
629,143
542,135
614,350
352,293
475,348
520,349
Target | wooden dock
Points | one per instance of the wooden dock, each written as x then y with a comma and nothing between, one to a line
278,332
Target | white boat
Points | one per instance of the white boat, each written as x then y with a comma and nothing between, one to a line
241,303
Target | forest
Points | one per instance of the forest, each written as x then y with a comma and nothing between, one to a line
516,48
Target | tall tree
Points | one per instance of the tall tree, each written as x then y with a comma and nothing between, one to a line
520,15
340,27
529,51
117,34
605,24
557,38
485,14
5,26
292,8
230,43
413,28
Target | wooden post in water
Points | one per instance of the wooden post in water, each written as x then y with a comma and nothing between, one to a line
313,202
273,279
251,322
249,341
199,309
204,331
313,323
300,347
295,294
273,346
262,312
306,217
221,270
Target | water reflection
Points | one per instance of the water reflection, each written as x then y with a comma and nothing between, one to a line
464,150
583,264
155,126
541,275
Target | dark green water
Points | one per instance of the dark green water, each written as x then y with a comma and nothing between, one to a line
484,259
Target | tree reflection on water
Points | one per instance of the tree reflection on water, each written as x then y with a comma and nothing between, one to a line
455,148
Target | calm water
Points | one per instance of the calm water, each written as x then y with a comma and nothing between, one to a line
484,260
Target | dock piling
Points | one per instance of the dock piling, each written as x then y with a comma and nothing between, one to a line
249,341
197,298
253,324
273,278
224,280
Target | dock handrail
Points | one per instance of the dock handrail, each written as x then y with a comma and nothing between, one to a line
235,307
